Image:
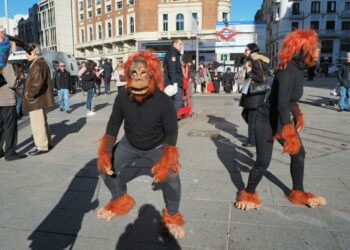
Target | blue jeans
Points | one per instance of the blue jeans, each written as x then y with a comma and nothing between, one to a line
19,105
90,94
107,83
344,97
63,99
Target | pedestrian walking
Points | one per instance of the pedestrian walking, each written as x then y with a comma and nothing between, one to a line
88,84
344,80
107,75
62,83
119,76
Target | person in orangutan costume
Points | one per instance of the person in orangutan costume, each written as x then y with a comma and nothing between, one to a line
148,146
281,118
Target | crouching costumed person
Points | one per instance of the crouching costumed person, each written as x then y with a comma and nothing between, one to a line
282,119
148,146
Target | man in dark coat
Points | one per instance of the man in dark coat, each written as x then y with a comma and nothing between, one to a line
61,81
228,80
107,76
173,72
38,96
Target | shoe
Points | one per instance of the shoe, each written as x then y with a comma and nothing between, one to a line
68,111
37,152
50,147
15,156
340,110
61,109
2,153
90,113
247,144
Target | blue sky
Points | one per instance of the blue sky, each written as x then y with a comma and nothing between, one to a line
241,10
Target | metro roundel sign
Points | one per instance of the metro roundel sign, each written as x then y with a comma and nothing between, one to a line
226,33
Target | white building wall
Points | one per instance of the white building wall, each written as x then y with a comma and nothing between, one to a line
64,25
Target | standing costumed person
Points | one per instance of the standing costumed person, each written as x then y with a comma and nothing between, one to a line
151,130
281,117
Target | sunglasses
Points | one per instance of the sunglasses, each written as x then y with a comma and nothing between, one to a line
62,66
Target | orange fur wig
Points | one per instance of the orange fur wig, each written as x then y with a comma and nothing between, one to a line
297,41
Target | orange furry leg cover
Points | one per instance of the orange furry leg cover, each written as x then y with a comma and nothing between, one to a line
305,198
174,223
117,207
168,161
299,118
105,154
292,142
246,201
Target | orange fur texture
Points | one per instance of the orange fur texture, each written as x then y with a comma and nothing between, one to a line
249,197
105,152
299,117
121,206
297,41
176,219
168,161
292,142
299,197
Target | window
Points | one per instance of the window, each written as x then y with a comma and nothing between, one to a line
180,22
224,57
81,17
314,25
195,17
98,2
345,25
224,16
165,22
295,26
296,8
119,4
89,3
81,4
98,11
347,6
315,7
89,14
120,27
331,6
131,2
109,27
99,32
90,34
132,25
330,25
82,38
108,8
327,46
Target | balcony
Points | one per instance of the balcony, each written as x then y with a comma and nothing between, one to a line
296,15
334,33
345,14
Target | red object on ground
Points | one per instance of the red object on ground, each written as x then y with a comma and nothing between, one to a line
210,87
186,110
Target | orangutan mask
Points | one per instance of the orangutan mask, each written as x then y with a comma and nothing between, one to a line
139,78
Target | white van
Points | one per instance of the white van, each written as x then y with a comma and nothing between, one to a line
52,58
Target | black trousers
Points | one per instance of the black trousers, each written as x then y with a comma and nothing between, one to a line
8,129
130,162
264,147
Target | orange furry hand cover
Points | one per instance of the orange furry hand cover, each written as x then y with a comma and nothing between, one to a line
105,154
299,118
168,161
291,139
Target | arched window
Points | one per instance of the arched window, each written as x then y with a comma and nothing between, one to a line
99,32
132,25
82,36
120,27
90,34
180,23
109,25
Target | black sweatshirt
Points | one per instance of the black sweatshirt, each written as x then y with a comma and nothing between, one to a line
147,125
287,89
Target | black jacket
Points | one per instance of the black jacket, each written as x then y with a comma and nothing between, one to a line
172,68
260,67
228,79
344,75
61,83
107,71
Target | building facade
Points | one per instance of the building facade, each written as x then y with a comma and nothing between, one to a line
113,29
55,21
331,19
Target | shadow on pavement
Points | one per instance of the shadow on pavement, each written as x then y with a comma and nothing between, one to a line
101,106
61,226
147,233
226,126
236,158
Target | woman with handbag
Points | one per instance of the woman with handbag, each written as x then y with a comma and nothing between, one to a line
281,118
256,67
88,79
